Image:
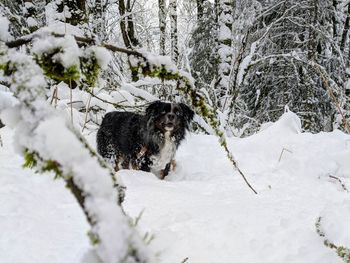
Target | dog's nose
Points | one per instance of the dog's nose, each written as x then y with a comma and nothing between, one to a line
171,116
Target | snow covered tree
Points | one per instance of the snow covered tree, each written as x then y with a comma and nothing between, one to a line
162,25
203,59
174,34
127,28
294,60
24,16
225,17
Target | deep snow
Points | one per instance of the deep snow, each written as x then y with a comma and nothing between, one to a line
203,211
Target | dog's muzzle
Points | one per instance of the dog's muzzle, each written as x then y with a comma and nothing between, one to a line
170,122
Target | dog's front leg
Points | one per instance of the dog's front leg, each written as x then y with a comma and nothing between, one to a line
165,171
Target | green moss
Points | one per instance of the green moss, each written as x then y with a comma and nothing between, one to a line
155,71
55,70
34,161
341,251
8,68
52,166
90,70
344,253
29,159
93,238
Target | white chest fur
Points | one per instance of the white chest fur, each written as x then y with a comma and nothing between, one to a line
166,154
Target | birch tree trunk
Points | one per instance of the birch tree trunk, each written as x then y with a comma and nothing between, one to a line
173,35
225,9
162,26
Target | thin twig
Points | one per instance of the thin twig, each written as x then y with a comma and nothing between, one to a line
138,218
283,150
340,181
71,100
86,112
56,98
230,157
116,105
53,95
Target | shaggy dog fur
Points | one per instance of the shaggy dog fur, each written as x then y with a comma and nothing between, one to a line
145,142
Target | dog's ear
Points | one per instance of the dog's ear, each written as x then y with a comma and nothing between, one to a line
188,113
152,108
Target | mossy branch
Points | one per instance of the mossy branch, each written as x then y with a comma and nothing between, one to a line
341,251
32,99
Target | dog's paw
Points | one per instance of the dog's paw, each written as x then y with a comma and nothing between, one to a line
173,165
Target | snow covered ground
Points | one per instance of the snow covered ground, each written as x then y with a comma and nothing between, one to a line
203,211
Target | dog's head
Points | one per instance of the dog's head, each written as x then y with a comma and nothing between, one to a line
169,116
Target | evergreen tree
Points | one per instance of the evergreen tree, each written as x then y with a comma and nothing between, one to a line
294,55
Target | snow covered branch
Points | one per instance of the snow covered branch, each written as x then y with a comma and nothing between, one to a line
341,251
50,143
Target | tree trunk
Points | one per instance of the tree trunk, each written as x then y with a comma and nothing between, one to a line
225,12
97,22
200,9
77,11
173,35
30,14
312,45
345,30
162,26
130,24
335,21
128,32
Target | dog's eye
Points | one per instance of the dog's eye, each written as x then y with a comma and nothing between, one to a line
163,112
178,113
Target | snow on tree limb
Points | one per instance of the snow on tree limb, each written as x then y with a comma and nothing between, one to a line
342,252
49,143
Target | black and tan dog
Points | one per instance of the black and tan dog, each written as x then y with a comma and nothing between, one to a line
144,142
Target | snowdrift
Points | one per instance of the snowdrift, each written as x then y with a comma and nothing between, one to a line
203,211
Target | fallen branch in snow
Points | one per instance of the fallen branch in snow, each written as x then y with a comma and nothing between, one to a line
86,113
340,181
185,260
283,150
341,251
